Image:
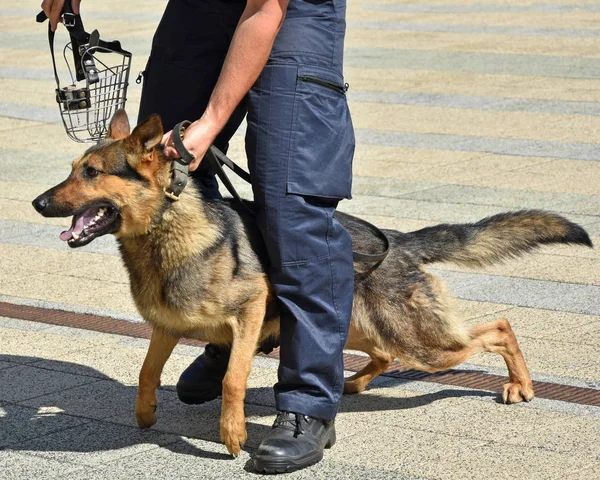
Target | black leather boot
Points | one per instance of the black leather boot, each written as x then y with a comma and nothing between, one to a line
295,441
202,381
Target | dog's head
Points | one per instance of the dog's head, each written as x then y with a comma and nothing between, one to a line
114,187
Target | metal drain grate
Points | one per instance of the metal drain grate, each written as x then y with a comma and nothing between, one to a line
354,363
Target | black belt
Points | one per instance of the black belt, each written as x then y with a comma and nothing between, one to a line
216,159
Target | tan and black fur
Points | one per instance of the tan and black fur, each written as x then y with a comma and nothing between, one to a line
198,270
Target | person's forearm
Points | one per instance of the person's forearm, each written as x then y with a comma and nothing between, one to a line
248,53
247,56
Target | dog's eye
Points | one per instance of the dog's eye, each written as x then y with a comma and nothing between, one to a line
91,172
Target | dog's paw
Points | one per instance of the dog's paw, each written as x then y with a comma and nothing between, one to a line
145,414
353,386
515,392
233,434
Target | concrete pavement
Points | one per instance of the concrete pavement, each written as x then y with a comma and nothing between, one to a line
462,109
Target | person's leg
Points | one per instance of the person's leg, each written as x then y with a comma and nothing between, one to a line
300,145
310,252
188,50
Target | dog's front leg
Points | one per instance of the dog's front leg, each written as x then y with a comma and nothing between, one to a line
246,331
161,345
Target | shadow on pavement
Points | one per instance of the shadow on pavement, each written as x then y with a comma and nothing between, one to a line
98,414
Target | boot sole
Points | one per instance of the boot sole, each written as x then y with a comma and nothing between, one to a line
288,465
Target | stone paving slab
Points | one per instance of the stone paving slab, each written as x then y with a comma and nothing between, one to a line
47,236
39,382
542,266
541,323
21,424
456,121
93,443
113,296
459,83
498,64
191,457
555,358
433,455
24,467
393,35
23,347
93,398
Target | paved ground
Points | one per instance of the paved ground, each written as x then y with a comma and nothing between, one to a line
463,109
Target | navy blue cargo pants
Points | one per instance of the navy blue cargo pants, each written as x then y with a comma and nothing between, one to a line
299,144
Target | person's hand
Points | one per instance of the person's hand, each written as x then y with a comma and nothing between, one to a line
53,9
197,139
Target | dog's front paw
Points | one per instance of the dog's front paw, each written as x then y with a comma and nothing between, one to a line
354,386
145,414
233,433
515,392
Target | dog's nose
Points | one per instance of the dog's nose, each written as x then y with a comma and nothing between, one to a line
40,203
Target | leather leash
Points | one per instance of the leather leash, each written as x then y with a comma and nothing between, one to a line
216,159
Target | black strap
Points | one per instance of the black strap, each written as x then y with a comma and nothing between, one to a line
84,67
216,159
78,35
180,167
367,257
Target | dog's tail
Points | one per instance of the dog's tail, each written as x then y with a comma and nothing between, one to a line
492,239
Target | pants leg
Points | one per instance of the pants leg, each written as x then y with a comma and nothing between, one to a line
310,252
187,55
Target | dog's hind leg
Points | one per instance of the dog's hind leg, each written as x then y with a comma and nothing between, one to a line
162,344
499,337
246,332
496,337
380,361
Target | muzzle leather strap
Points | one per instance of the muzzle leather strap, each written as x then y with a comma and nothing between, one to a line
214,160
180,168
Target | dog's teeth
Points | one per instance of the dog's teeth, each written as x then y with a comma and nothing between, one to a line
75,236
101,212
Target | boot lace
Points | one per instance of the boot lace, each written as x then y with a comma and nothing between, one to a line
290,421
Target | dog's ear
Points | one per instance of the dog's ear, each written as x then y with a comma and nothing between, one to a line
149,133
119,126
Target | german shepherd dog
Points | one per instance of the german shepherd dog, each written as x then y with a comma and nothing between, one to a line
198,270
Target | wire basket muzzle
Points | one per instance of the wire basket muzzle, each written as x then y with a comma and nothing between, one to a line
87,105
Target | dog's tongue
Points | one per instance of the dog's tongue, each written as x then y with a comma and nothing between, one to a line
79,222
64,236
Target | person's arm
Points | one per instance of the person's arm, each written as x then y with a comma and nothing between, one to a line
248,53
53,9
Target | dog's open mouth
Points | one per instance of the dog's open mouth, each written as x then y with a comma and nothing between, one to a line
91,223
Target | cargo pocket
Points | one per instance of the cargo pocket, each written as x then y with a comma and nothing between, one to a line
322,143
